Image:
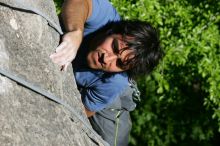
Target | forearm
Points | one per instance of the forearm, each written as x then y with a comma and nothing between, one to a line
75,13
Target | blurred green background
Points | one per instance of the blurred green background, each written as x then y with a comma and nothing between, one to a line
180,101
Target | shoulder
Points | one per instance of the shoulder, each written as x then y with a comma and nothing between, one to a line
101,80
103,6
86,77
102,12
119,79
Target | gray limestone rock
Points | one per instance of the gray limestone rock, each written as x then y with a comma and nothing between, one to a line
45,8
27,118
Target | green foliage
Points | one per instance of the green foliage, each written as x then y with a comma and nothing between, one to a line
181,99
58,4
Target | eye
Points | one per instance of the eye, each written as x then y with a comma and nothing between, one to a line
115,46
119,63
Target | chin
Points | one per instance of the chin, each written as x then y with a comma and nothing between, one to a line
91,61
91,64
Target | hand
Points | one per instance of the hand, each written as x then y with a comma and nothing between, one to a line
67,50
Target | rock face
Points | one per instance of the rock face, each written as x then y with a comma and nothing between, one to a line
29,34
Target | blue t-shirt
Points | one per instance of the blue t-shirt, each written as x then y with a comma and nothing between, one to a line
98,88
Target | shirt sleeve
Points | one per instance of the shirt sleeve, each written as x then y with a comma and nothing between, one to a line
102,13
103,93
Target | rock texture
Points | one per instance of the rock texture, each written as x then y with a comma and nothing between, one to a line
27,118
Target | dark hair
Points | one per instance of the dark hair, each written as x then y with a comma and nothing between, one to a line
145,43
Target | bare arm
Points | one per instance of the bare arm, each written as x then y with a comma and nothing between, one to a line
74,15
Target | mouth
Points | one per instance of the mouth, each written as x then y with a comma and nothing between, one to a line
101,58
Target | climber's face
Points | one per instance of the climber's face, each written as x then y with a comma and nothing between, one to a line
110,55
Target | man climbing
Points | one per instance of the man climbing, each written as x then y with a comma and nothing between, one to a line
106,53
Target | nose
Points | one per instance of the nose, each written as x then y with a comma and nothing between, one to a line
110,58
